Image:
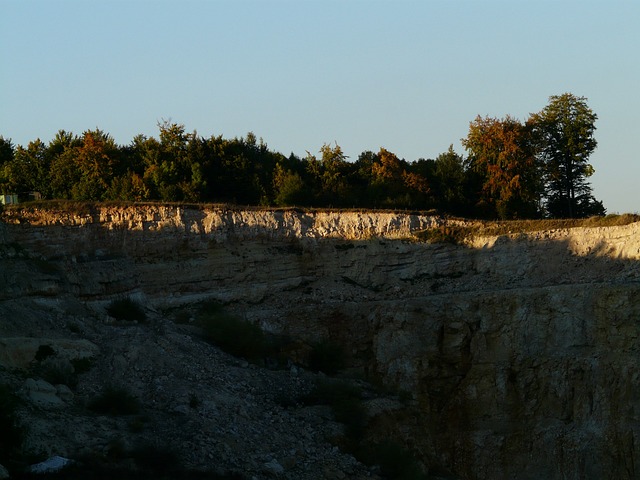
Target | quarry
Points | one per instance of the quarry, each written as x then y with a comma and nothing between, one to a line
497,357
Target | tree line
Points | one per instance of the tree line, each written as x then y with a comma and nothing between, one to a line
532,169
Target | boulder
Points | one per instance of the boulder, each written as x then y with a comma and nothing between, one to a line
42,394
50,465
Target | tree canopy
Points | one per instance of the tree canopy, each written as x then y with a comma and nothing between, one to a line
536,168
564,134
513,169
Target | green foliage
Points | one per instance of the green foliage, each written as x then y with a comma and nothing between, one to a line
115,401
156,458
564,134
44,352
81,365
56,372
194,401
448,182
327,357
395,461
508,165
288,187
12,433
137,423
232,334
126,309
45,266
346,403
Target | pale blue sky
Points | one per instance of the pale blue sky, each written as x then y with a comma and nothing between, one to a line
401,74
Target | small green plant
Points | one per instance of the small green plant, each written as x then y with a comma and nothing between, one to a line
59,370
194,401
44,352
74,328
115,401
136,424
327,357
126,309
81,365
56,372
154,458
232,334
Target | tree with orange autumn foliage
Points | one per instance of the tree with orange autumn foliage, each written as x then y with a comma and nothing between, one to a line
501,154
396,185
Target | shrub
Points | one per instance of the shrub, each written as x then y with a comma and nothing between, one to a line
12,432
194,401
156,458
346,403
82,365
395,461
136,424
126,309
44,352
233,335
327,357
45,266
57,371
115,401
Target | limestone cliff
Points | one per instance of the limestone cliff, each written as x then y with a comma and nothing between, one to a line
520,351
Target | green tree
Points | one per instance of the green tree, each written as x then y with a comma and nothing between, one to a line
564,134
328,176
29,170
6,158
172,169
449,176
288,187
334,172
63,173
6,150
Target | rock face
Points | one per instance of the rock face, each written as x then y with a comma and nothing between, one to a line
520,352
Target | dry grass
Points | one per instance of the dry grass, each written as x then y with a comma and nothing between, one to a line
523,226
457,231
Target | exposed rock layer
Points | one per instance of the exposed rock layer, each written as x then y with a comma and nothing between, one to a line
521,351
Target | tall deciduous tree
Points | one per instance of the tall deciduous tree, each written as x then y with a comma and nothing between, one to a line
564,132
501,153
94,158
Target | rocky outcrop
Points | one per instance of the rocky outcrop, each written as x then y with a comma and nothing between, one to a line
519,352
